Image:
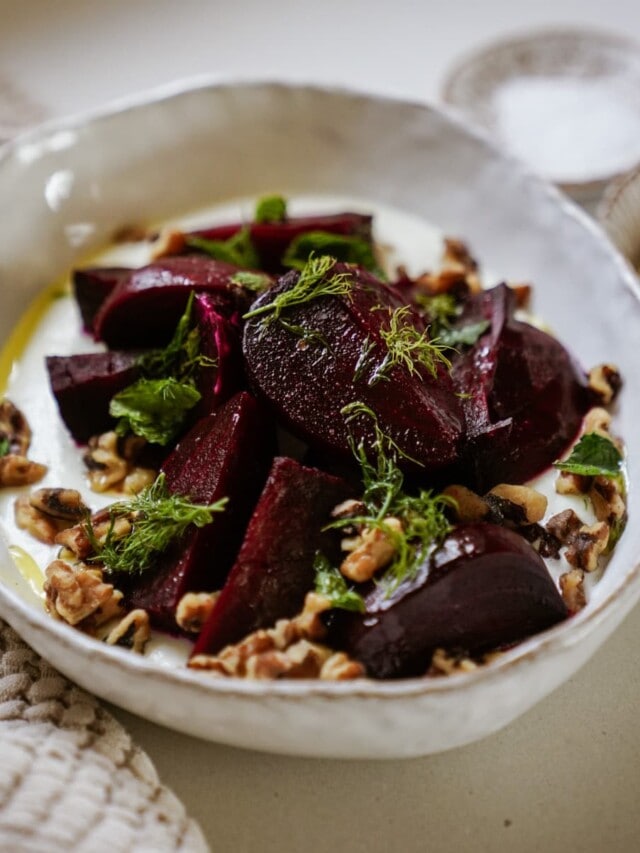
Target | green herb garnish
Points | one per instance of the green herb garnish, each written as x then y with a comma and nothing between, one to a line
237,250
349,249
271,208
333,586
410,348
5,446
441,308
156,405
153,408
158,518
464,335
254,281
424,523
593,456
313,283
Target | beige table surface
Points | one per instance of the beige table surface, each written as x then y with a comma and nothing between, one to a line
565,776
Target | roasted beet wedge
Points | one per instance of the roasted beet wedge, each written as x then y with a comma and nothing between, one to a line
225,455
274,569
308,382
221,342
272,239
91,286
83,386
524,397
144,308
483,588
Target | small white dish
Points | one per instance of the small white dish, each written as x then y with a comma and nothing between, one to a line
65,187
564,101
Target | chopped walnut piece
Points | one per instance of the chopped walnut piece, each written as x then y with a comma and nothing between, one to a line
456,252
348,509
532,503
170,242
340,667
373,549
605,383
194,608
61,504
608,501
572,589
586,545
468,505
572,484
34,522
77,539
288,650
137,480
597,420
74,592
131,234
564,525
132,632
16,470
14,429
445,663
110,461
522,293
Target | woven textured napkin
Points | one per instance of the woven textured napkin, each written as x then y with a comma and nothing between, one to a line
70,776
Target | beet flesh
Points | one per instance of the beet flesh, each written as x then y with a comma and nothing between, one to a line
484,587
144,308
227,454
274,568
220,341
91,286
83,386
308,383
272,239
523,396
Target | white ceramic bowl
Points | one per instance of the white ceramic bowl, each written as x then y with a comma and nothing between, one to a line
619,214
564,100
183,149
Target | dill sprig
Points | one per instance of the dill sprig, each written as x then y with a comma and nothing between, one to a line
423,517
313,283
158,518
332,585
441,310
410,348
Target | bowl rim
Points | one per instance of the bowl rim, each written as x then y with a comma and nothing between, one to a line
562,636
588,190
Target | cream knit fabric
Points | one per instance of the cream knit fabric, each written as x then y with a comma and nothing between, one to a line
70,777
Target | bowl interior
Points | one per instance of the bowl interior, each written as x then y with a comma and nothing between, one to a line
65,189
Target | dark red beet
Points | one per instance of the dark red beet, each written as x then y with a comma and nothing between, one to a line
483,588
91,286
523,395
220,340
307,384
225,455
144,308
272,239
274,569
83,386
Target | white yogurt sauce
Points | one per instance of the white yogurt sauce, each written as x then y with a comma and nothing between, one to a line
415,243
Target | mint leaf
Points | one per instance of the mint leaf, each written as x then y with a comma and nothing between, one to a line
351,250
153,408
271,208
4,445
254,281
332,585
593,456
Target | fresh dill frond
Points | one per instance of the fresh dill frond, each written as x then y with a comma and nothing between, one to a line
313,283
157,519
383,444
180,358
422,516
332,585
441,310
237,250
410,348
270,208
